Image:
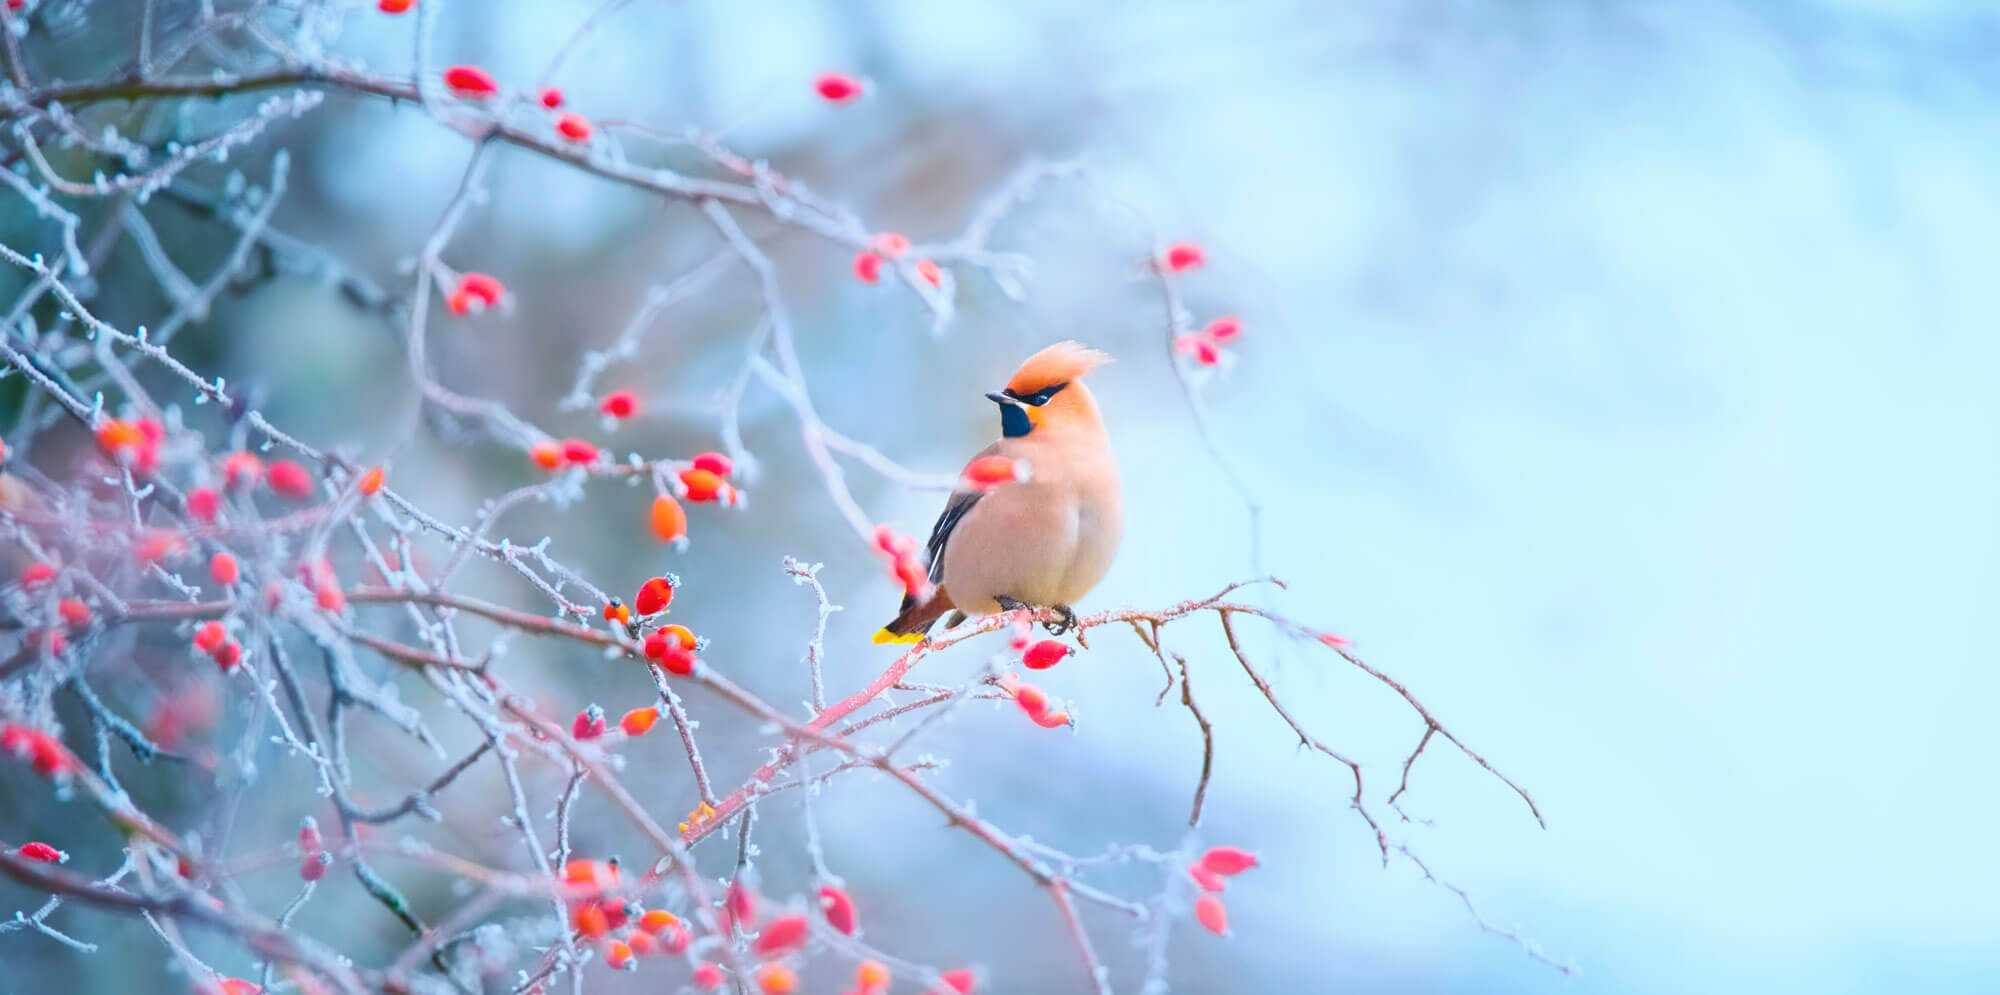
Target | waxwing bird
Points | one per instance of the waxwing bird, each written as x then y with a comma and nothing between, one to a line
1040,542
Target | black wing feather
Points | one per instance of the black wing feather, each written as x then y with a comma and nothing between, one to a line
954,511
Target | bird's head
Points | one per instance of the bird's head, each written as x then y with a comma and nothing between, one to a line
1046,392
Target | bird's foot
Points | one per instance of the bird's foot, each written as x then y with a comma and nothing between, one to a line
1066,622
1011,605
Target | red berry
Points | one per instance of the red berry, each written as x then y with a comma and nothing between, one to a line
868,268
930,272
210,636
741,903
329,598
1213,917
715,463
1205,352
37,574
1183,256
241,469
838,908
589,724
574,127
480,287
655,595
988,472
395,6
890,244
552,97
1223,330
312,866
1228,861
1045,654
579,451
43,852
1204,878
707,976
222,569
228,655
619,404
204,503
470,82
839,89
960,980
677,661
783,934
288,479
676,940
156,545
74,612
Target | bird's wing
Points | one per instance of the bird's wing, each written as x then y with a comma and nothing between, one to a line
954,512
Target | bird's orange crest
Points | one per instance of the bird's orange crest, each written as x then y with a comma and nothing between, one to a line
1059,363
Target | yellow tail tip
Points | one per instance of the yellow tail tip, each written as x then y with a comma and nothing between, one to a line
885,636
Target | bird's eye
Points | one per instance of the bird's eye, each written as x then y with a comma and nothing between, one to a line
1042,396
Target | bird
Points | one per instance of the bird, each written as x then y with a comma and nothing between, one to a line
1042,542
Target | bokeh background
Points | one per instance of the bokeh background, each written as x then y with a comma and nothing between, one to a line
1619,376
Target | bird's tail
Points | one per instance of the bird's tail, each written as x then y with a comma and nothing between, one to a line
915,618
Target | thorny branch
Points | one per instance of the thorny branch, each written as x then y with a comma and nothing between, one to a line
406,627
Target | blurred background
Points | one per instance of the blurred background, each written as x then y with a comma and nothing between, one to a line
1617,376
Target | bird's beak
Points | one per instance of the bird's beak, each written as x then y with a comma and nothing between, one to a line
999,398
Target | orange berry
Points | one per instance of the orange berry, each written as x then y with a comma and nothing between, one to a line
156,545
329,598
777,979
638,720
701,485
656,920
546,455
371,481
615,612
210,636
642,943
470,82
669,520
871,974
618,955
590,920
74,612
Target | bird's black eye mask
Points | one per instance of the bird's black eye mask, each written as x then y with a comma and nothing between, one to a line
1040,397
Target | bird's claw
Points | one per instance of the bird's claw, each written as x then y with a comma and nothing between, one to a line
1066,622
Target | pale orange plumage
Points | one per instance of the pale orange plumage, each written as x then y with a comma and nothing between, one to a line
1043,542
